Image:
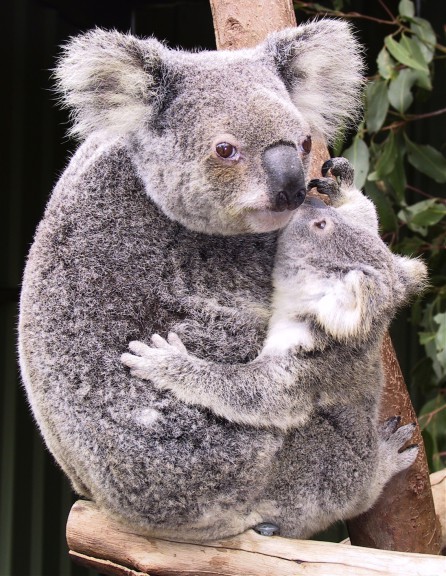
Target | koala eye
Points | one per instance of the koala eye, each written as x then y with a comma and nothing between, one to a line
226,150
320,224
306,145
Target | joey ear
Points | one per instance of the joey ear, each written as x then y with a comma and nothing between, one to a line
412,275
111,81
321,65
346,310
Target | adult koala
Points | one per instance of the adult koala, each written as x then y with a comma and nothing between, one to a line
165,220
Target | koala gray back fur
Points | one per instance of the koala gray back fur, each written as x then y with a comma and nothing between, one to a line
148,231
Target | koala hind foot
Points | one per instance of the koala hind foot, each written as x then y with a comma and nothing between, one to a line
391,441
344,173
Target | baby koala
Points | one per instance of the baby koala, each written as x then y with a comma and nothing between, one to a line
336,288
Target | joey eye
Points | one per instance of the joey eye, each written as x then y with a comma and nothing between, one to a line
226,150
320,224
306,145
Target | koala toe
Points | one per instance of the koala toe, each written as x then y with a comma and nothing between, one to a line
390,426
340,168
391,447
403,434
326,186
267,529
326,167
175,341
407,457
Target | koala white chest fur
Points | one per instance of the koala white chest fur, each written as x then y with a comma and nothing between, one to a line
184,212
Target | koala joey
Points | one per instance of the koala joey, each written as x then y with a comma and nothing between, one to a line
336,288
167,219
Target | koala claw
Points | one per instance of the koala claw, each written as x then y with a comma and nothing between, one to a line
326,166
267,529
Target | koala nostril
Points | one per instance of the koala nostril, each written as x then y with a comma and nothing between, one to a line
282,202
289,200
297,198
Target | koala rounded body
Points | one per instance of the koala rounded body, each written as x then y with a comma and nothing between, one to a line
166,220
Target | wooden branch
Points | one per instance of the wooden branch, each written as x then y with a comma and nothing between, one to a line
404,519
98,542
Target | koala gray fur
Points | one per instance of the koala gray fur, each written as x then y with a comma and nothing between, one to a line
149,230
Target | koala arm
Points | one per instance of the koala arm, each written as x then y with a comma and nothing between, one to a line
262,393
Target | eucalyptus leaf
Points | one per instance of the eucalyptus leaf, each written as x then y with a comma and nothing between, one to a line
401,51
400,90
386,64
358,155
377,105
397,177
406,8
426,337
412,45
422,80
427,160
420,216
387,157
424,31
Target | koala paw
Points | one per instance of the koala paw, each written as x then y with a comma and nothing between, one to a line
344,173
149,362
392,439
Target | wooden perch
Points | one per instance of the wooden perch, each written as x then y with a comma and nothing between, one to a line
103,544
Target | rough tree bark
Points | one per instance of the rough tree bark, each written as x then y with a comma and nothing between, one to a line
404,518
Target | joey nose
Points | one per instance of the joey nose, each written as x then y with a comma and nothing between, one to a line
285,175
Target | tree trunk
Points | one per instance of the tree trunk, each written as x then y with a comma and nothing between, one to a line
404,518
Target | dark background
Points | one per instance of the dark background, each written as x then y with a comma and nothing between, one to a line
35,498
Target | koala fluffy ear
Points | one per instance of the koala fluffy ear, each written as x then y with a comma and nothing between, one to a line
412,275
347,309
111,81
321,65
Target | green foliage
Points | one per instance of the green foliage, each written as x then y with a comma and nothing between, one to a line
388,158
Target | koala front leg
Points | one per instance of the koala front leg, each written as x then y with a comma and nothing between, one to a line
263,393
343,195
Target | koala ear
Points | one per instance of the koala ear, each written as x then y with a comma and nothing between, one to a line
412,275
321,65
346,310
111,81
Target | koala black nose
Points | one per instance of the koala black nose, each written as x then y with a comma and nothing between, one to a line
286,178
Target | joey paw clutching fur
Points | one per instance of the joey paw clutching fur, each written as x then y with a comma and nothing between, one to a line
146,362
344,174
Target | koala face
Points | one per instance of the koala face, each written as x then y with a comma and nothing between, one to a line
232,164
221,140
321,237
